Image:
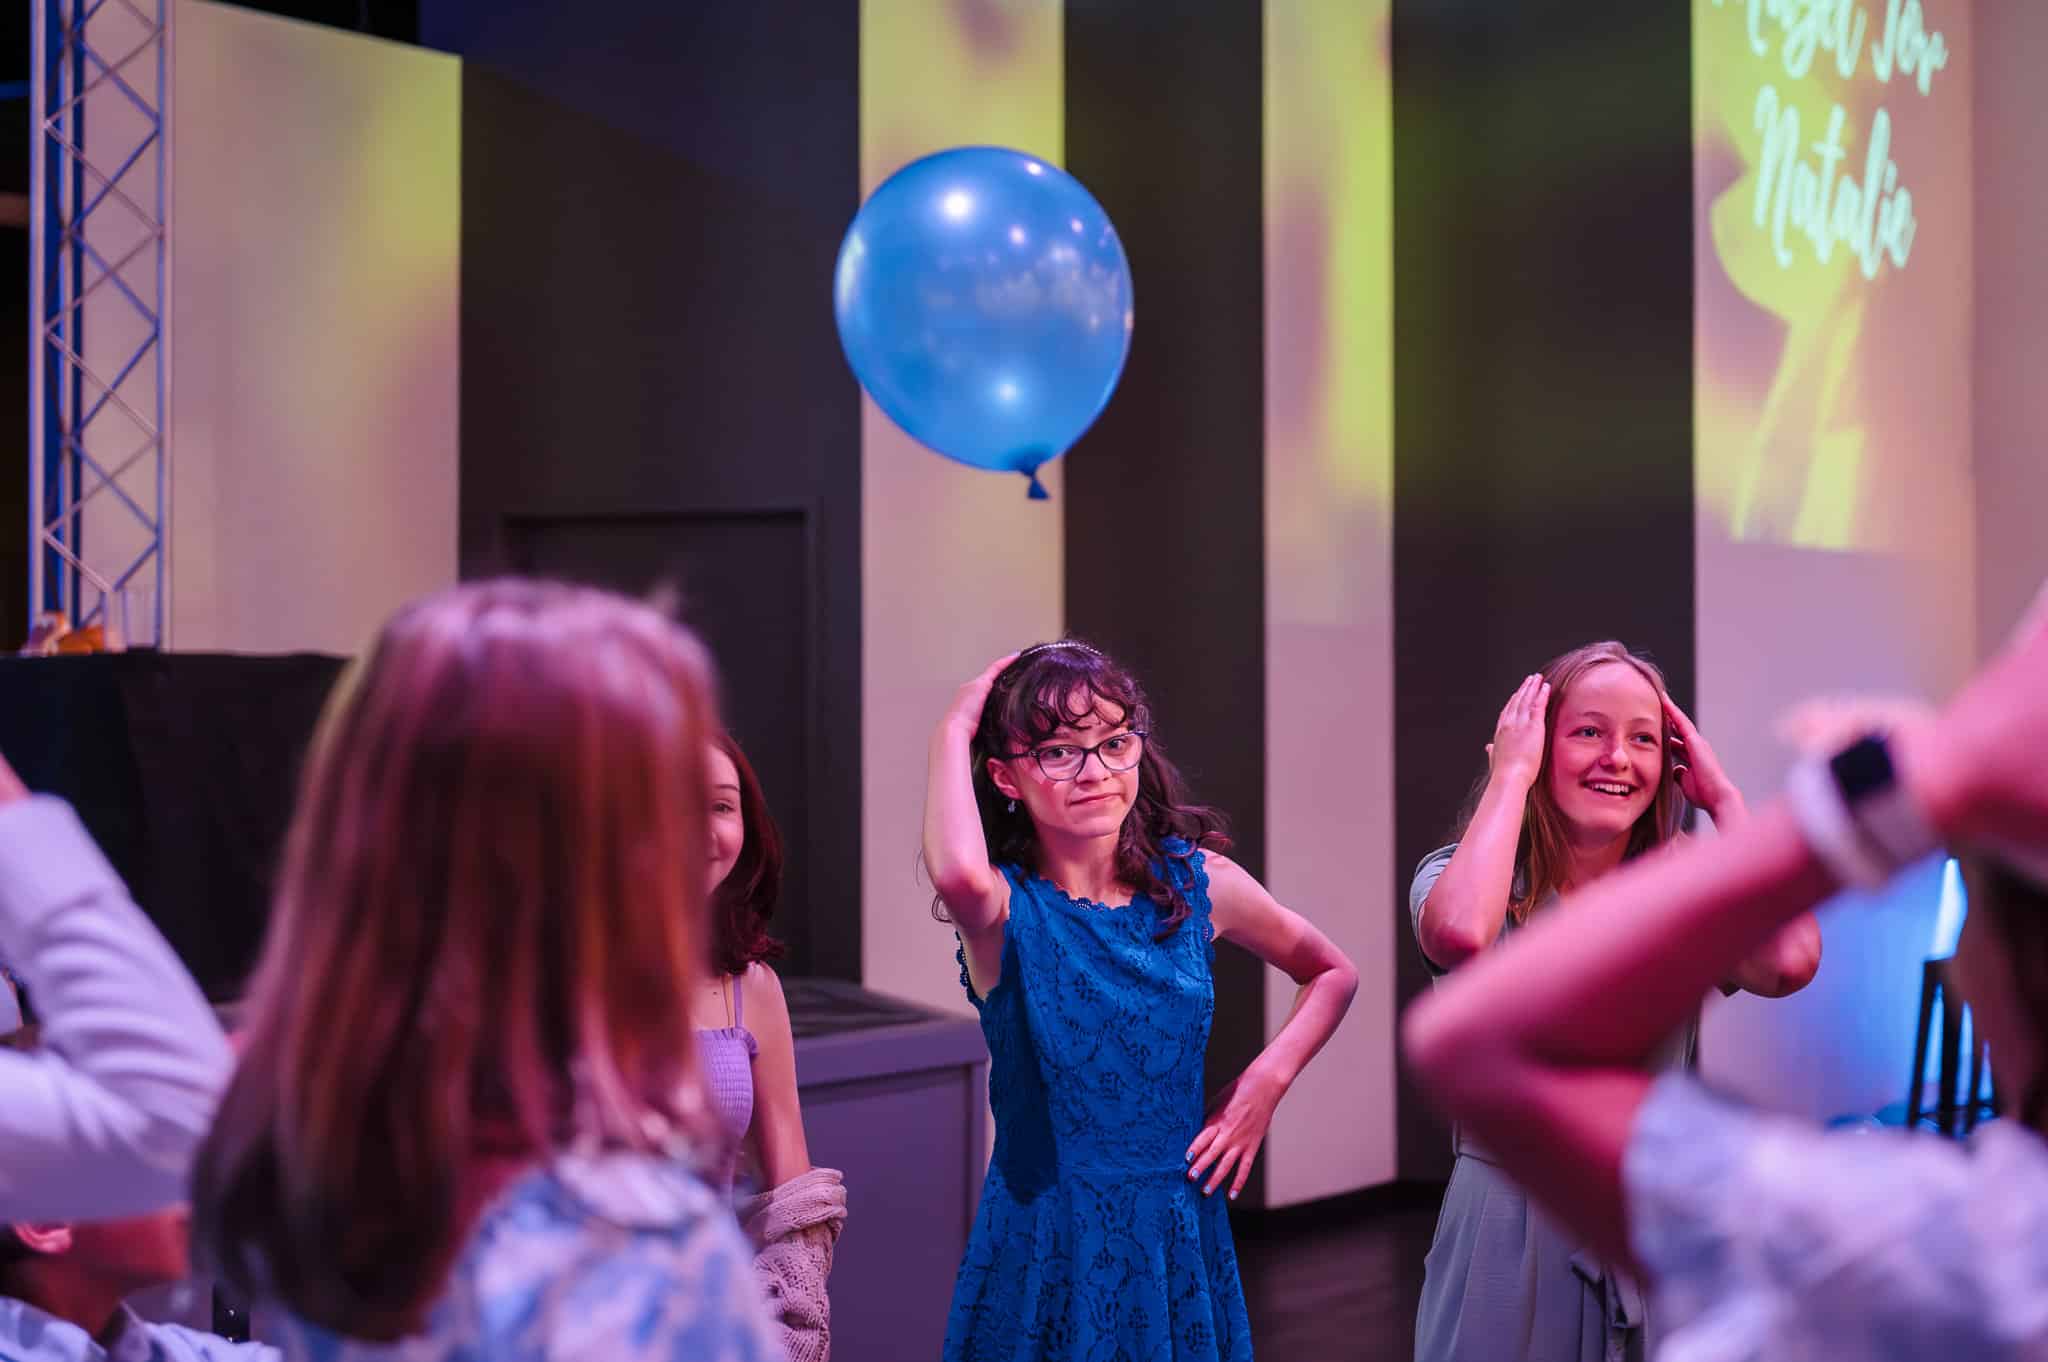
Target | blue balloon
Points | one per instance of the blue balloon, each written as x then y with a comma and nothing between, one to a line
984,302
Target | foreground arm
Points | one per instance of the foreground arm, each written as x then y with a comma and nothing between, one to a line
102,1120
1537,1050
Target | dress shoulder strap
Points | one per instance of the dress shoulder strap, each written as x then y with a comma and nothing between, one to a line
1182,866
739,998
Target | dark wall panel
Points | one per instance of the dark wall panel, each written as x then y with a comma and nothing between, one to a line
1164,498
745,582
652,203
1543,368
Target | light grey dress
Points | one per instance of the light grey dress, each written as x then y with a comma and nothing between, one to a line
1503,1283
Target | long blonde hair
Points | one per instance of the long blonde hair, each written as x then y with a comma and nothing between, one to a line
1544,852
484,939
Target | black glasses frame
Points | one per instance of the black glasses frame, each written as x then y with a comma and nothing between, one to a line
1086,752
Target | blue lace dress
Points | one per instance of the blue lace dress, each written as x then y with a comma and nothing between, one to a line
1090,1242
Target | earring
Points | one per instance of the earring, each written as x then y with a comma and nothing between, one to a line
1013,806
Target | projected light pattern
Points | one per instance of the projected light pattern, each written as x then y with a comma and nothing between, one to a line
1832,187
949,73
315,291
1328,482
961,542
1832,471
1329,267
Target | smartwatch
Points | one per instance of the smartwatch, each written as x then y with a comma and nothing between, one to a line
1857,816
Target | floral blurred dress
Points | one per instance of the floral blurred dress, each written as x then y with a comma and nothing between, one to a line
620,1257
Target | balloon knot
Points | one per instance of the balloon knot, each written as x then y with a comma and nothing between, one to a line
1037,492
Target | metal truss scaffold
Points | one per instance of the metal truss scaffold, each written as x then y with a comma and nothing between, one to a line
99,248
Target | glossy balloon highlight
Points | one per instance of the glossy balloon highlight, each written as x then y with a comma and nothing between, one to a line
984,301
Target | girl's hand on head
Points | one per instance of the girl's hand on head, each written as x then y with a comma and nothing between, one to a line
11,787
1235,1128
1697,770
972,698
1516,752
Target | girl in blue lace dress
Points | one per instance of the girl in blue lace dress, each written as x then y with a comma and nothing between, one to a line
1087,893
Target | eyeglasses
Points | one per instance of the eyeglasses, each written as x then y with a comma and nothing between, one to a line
1063,761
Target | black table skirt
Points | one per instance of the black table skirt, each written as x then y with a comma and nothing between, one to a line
185,768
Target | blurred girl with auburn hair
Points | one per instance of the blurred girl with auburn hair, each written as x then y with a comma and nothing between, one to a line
469,1097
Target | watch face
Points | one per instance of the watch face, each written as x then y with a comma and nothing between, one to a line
1863,768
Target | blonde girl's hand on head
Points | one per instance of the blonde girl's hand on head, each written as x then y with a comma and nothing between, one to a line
1698,771
1516,753
1469,901
1790,959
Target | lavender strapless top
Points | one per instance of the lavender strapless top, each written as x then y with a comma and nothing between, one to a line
728,1054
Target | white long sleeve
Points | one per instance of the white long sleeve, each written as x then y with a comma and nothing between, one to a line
101,1122
1769,1237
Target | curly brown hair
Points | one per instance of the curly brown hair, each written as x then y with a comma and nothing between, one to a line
1049,686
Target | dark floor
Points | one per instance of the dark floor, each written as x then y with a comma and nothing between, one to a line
1339,1280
